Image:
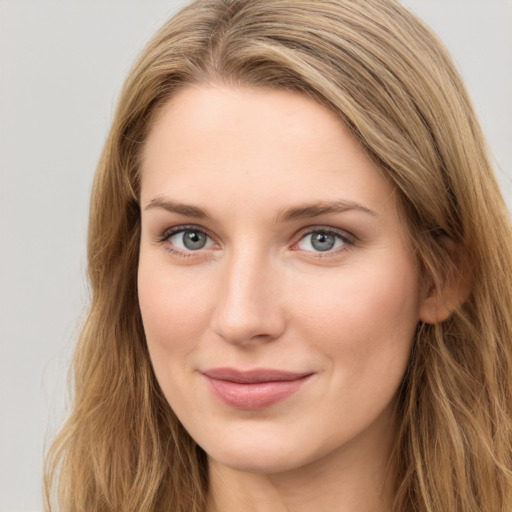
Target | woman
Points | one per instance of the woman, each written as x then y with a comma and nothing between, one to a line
300,266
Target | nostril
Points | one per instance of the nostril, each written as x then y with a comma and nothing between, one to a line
240,332
248,323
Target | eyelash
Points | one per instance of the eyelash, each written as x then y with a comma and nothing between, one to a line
168,234
347,239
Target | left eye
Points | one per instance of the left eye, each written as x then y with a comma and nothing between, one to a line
321,241
190,240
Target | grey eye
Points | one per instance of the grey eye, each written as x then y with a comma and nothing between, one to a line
190,240
321,241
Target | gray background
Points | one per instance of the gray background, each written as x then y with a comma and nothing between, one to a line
61,67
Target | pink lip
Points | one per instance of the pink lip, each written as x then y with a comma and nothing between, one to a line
253,389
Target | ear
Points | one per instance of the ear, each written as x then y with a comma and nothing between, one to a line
452,290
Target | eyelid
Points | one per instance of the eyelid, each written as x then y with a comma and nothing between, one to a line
170,232
346,236
182,227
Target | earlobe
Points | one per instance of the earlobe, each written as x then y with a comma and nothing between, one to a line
453,290
436,309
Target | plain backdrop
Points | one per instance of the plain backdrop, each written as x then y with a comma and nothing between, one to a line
61,68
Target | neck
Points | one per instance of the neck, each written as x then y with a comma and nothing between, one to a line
356,476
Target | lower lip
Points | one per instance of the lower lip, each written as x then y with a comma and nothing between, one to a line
254,396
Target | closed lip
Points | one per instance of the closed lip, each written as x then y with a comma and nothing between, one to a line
254,389
253,376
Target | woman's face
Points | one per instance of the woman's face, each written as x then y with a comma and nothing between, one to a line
278,293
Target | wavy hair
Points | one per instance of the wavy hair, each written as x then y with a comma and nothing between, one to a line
391,82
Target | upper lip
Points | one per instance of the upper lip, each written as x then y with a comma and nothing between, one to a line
253,376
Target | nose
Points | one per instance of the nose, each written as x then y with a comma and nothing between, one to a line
249,308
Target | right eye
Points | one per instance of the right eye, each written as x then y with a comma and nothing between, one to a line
188,239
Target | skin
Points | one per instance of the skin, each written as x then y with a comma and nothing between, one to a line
260,295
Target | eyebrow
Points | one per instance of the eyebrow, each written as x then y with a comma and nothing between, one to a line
289,214
181,208
322,208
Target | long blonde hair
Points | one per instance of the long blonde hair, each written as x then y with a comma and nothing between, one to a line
391,82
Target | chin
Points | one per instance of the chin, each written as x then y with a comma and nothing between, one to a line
259,464
259,456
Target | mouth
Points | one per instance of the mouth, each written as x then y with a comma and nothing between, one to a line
253,389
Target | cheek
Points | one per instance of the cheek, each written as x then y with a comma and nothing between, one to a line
174,311
175,315
364,325
364,320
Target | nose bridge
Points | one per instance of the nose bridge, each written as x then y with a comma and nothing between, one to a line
248,307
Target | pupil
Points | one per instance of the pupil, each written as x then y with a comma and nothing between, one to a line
323,241
194,240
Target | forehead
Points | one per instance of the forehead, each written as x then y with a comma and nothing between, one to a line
222,142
